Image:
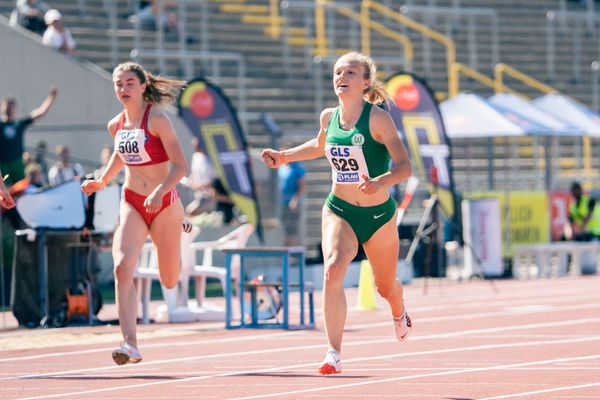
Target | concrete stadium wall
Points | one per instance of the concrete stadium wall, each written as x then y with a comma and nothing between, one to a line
85,100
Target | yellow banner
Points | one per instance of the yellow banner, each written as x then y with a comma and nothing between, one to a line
525,217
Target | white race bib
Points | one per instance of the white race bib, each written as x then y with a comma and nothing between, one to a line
348,164
130,145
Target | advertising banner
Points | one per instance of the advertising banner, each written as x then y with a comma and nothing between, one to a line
420,125
482,237
211,118
524,217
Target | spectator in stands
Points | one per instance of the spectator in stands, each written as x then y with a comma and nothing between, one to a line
359,139
33,181
6,199
27,158
57,36
146,145
12,131
34,176
200,181
292,185
105,154
584,216
64,170
29,184
39,157
147,16
30,15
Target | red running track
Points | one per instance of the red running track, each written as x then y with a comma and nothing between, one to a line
530,340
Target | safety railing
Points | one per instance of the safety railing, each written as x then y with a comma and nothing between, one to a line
289,11
368,5
589,13
214,61
453,18
595,68
503,69
457,69
274,20
183,32
325,37
581,26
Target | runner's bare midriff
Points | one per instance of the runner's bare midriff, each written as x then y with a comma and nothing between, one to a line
353,195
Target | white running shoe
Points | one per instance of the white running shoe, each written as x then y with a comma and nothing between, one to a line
331,364
402,326
126,354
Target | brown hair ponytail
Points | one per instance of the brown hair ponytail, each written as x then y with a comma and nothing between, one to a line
159,90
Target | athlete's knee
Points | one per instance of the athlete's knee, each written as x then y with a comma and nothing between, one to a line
169,281
386,288
335,270
124,271
170,276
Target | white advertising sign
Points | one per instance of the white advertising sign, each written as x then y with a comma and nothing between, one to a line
482,236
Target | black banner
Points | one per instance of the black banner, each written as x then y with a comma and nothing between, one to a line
419,123
212,119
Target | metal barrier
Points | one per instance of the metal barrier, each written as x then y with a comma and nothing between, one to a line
368,5
452,17
564,18
215,59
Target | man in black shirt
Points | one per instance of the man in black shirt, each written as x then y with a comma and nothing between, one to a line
12,131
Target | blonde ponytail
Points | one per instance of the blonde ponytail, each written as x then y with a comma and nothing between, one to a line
375,93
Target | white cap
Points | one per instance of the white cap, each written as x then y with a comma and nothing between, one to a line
51,16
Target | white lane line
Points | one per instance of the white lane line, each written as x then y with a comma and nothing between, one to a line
361,359
558,389
155,345
402,378
42,332
349,327
463,301
320,345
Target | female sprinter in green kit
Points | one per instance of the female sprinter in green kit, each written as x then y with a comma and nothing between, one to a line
358,139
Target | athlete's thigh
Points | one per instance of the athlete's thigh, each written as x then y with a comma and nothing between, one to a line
340,244
165,232
382,250
130,235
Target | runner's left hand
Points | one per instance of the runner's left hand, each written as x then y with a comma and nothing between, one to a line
369,186
153,203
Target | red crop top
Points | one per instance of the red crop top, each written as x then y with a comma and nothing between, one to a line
138,146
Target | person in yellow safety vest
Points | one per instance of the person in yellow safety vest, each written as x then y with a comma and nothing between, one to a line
584,216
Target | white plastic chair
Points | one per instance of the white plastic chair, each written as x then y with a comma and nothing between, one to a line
238,238
147,270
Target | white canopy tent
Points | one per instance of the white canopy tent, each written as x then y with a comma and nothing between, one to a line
526,109
570,112
471,116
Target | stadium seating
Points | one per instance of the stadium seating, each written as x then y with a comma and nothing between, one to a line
287,91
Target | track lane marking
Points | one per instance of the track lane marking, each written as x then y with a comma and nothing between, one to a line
558,389
352,360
